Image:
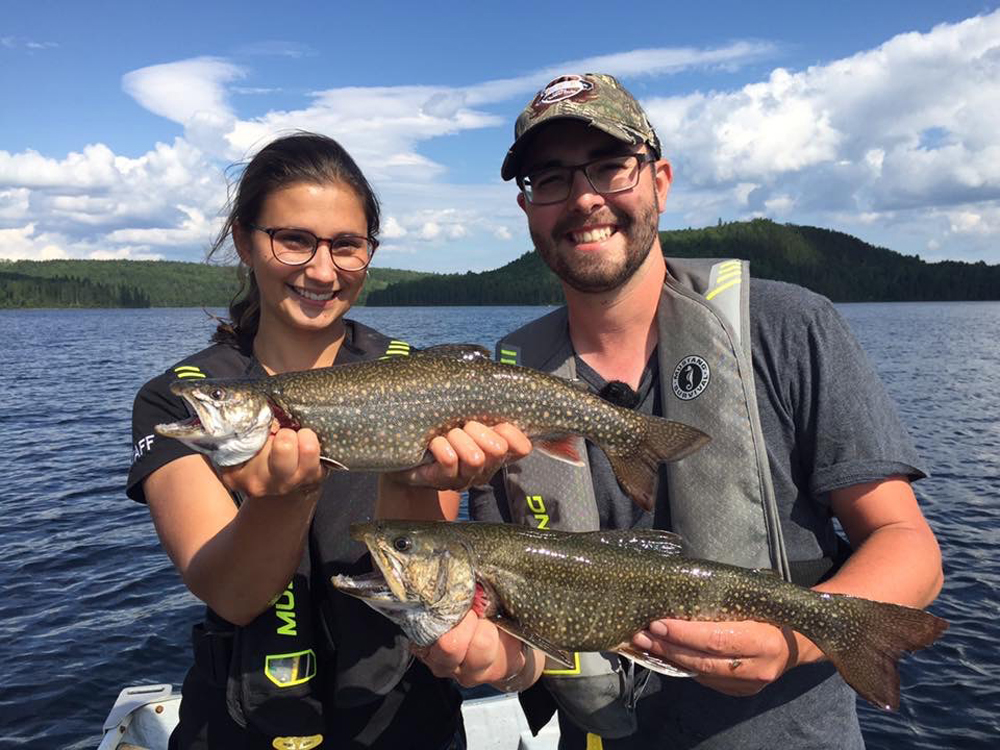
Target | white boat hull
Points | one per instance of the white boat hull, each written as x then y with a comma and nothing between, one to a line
144,715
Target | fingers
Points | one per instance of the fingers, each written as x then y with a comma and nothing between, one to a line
737,658
469,456
287,462
518,444
474,652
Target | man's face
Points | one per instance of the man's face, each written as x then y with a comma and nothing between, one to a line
593,242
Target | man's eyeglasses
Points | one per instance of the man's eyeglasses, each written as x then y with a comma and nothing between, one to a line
296,247
609,174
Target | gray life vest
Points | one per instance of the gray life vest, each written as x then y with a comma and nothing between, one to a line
721,497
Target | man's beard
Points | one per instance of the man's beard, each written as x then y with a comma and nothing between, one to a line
598,273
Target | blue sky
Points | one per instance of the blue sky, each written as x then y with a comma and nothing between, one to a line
119,119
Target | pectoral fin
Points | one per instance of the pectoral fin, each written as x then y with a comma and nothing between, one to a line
654,663
553,652
332,463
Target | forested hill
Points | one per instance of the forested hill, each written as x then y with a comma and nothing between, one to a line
840,266
837,265
131,283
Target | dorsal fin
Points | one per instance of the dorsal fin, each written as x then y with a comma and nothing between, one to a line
468,352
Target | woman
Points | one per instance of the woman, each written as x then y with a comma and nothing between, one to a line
282,657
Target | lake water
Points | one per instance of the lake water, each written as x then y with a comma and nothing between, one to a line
89,603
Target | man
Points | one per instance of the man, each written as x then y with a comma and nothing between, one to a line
641,330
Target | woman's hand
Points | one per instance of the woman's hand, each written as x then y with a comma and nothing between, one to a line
467,456
735,658
476,652
289,461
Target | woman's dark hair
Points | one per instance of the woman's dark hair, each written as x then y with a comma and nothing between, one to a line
298,158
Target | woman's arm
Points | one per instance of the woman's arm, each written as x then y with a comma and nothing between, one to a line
237,560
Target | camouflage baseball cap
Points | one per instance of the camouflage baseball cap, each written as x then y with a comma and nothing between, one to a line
594,98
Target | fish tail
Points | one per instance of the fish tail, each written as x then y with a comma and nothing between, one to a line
867,652
662,440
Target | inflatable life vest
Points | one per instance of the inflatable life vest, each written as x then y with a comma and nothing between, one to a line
721,497
276,685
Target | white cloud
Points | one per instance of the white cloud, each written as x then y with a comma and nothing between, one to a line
195,228
182,90
908,126
392,229
21,243
277,48
899,138
430,230
14,204
13,42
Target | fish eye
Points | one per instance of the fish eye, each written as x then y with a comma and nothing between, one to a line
402,544
217,394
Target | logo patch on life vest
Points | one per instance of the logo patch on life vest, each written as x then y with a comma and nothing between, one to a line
691,377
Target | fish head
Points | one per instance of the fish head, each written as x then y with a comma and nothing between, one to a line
231,421
425,578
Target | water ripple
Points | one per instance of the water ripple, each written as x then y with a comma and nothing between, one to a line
89,595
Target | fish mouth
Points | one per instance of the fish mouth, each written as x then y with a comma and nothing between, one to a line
185,428
367,534
374,588
204,423
390,570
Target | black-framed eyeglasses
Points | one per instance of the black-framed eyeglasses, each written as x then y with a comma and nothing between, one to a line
296,247
609,174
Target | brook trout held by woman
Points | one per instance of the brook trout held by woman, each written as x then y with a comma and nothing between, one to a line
563,592
382,415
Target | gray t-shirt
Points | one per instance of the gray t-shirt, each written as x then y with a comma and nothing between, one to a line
827,424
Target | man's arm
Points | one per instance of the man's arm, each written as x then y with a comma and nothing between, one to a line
896,559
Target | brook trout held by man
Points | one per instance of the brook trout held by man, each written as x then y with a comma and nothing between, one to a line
382,415
562,592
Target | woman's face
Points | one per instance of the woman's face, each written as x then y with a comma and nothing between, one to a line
316,295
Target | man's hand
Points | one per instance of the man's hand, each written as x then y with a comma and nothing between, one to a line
735,658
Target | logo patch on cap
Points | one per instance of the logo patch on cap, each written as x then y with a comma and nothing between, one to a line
691,377
561,89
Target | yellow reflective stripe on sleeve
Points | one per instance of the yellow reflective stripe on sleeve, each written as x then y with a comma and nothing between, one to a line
575,669
508,357
189,371
594,742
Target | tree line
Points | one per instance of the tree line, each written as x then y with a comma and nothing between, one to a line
834,264
837,265
20,290
130,283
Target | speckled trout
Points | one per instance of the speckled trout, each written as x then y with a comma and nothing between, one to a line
563,592
381,415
